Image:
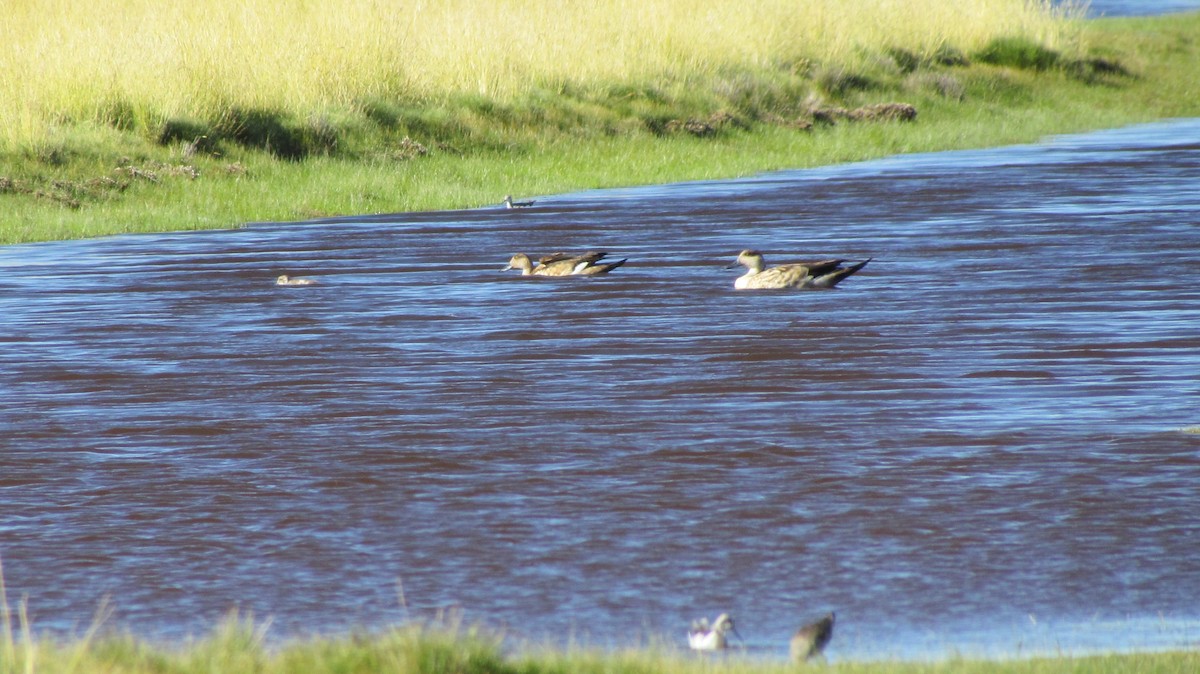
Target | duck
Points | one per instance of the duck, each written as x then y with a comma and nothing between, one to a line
702,637
509,203
561,264
821,274
285,280
810,640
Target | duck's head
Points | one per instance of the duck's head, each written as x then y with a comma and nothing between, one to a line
519,261
750,258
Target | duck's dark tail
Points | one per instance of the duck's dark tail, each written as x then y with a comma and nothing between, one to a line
834,277
605,268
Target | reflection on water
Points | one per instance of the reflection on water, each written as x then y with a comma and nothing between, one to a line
974,444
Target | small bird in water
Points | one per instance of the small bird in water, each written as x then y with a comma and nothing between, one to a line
822,274
809,641
285,280
702,637
509,203
561,264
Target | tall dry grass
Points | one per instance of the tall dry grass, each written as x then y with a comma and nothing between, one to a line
74,59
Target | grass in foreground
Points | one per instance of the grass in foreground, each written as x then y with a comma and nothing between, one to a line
237,647
129,164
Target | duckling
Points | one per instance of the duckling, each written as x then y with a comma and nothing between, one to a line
285,280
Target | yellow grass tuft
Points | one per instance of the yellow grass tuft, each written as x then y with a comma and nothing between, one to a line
127,61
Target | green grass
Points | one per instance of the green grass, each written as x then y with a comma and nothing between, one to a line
238,646
128,171
136,62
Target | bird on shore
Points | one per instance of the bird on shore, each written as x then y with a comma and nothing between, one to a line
821,274
285,280
561,264
810,640
703,637
509,203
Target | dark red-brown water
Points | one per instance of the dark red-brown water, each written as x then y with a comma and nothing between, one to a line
984,442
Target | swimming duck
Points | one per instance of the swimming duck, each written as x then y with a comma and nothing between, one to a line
561,264
285,280
702,637
822,274
509,203
810,640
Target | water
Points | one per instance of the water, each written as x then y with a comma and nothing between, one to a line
1139,7
974,445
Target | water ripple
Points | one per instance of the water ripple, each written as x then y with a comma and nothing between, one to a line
981,426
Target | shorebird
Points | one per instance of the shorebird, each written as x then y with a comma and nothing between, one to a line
702,637
560,264
809,641
509,203
285,280
822,274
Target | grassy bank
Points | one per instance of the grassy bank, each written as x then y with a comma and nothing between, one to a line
149,118
237,647
143,62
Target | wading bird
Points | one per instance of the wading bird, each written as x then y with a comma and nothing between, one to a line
809,641
702,637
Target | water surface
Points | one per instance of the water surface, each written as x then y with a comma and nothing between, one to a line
1139,7
977,444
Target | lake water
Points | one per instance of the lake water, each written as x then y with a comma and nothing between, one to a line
1140,7
984,442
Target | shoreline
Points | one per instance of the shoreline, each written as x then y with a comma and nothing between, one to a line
445,645
102,181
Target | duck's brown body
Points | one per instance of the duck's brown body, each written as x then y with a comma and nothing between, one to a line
560,264
821,274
